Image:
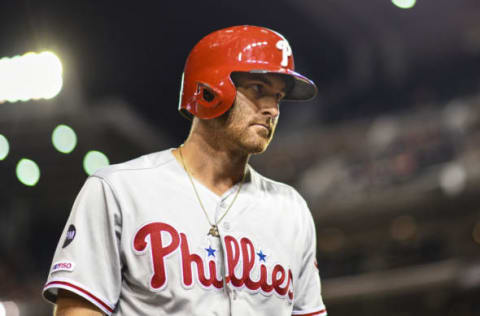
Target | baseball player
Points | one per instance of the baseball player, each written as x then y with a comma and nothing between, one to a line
195,230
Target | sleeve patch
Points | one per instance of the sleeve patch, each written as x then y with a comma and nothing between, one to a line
72,231
63,266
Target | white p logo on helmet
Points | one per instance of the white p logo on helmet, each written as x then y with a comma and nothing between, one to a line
286,51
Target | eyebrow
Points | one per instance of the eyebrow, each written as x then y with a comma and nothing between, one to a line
268,82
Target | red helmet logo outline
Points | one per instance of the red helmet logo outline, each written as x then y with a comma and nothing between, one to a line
207,90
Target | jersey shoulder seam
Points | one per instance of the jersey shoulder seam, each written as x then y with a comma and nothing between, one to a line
276,183
266,179
154,166
115,194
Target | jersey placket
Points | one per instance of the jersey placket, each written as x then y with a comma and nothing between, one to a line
224,228
222,206
216,207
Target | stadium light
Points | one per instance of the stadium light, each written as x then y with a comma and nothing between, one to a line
404,4
28,172
453,179
30,76
9,308
4,147
93,161
64,139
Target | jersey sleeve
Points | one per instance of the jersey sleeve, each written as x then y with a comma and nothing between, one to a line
87,258
308,298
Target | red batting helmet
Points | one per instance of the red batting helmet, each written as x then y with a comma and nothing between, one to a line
207,91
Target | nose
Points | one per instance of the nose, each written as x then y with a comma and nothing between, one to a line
270,107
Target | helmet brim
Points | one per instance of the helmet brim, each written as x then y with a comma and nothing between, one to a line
303,89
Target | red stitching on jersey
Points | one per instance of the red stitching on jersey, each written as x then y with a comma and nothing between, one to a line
83,291
323,311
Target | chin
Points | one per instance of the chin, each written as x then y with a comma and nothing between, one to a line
253,143
257,146
258,150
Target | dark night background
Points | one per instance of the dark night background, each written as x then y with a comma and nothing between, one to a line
137,50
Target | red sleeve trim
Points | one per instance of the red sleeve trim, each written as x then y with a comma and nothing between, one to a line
90,295
321,312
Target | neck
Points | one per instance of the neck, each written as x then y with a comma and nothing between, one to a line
216,167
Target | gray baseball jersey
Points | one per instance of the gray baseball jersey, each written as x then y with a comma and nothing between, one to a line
136,243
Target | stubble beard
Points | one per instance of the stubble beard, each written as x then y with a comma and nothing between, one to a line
248,139
234,132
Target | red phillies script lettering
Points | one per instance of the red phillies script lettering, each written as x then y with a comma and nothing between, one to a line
158,250
150,236
278,274
187,261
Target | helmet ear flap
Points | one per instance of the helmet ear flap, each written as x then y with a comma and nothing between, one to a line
207,96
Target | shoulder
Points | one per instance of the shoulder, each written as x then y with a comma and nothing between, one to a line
284,200
278,190
136,167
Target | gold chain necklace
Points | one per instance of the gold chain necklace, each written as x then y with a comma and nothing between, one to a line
213,227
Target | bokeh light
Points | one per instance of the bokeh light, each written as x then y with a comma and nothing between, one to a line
453,179
404,4
9,308
31,76
64,139
4,147
93,161
28,172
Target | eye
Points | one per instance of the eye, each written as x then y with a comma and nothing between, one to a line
257,88
279,96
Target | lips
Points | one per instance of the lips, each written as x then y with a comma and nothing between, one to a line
266,126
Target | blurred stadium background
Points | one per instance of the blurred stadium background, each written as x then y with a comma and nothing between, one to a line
387,156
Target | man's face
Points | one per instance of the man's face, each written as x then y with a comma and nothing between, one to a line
250,123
